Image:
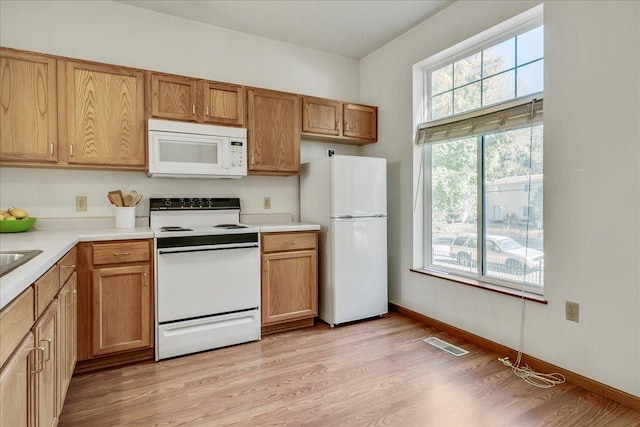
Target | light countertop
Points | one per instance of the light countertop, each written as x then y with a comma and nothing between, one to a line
274,227
55,243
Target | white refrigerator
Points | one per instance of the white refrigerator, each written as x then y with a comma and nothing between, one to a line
347,196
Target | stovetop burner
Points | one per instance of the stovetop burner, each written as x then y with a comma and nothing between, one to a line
230,226
175,228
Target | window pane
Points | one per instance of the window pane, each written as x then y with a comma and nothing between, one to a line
454,195
498,88
441,106
442,80
513,206
499,58
531,45
531,78
466,98
467,70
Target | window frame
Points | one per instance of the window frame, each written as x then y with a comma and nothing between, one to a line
422,157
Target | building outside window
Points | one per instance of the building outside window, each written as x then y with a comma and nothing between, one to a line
482,163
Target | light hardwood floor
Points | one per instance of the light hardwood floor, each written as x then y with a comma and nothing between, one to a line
372,373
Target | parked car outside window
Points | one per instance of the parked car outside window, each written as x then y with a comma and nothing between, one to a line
501,251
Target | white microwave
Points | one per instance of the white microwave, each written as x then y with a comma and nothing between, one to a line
192,150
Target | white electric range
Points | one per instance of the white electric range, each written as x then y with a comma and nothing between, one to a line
207,275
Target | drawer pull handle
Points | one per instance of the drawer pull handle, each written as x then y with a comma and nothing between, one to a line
121,254
48,341
68,266
40,359
290,242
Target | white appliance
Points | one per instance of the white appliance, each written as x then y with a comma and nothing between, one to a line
347,196
192,150
207,275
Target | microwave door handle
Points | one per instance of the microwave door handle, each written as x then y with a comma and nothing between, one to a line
226,149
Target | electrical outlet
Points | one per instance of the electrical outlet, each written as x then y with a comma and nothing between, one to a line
266,203
81,203
573,311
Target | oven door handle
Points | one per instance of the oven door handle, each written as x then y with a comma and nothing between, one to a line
202,249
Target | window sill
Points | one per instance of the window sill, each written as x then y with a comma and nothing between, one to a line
482,285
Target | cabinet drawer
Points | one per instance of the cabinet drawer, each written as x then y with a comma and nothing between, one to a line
15,321
120,252
46,289
66,266
288,241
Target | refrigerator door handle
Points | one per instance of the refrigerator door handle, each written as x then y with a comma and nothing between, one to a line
344,217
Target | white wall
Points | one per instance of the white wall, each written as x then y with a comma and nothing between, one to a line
115,33
592,185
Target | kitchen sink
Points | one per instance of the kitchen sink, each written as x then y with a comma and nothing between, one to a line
10,260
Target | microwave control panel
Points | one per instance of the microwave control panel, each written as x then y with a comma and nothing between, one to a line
238,154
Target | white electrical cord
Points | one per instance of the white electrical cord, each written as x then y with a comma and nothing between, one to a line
526,372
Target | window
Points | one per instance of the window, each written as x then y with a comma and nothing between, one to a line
481,157
501,72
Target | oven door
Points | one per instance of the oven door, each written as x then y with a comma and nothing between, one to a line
199,281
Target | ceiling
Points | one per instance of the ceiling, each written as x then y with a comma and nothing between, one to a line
352,28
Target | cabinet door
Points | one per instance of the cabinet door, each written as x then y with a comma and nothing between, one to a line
273,129
28,116
67,349
46,335
322,116
360,121
120,314
223,103
104,116
289,286
173,97
17,385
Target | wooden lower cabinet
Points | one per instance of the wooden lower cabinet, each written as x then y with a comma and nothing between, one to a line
16,386
121,307
46,336
38,356
67,349
289,280
115,303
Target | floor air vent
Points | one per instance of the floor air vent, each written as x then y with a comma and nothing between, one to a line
443,345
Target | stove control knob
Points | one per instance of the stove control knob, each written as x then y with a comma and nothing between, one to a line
167,202
181,203
192,202
201,203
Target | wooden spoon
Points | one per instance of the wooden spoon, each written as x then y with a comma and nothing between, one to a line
116,198
128,200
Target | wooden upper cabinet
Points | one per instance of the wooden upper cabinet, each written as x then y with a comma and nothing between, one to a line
322,116
194,100
360,121
328,119
222,103
173,97
273,132
28,114
104,115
